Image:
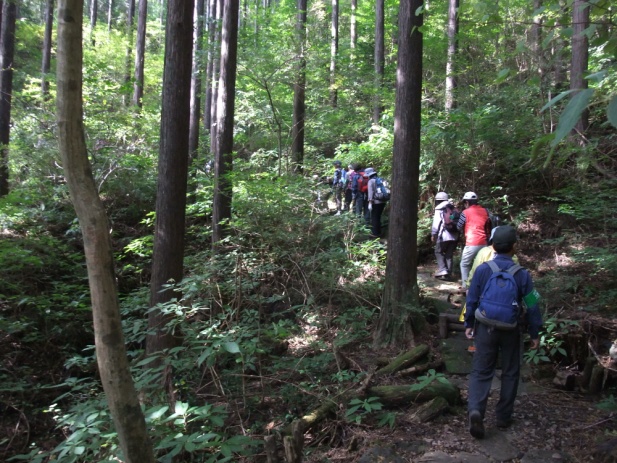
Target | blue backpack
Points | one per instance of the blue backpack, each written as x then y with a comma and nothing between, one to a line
499,305
382,193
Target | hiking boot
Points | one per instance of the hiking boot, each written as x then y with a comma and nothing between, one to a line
504,424
476,426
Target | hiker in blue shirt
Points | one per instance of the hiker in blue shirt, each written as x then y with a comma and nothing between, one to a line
493,336
338,185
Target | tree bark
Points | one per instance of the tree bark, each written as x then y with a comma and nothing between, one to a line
168,258
453,23
140,52
580,57
393,396
299,108
46,52
94,13
215,75
379,59
400,304
223,160
195,115
353,28
406,359
130,14
7,52
430,410
109,340
334,53
110,15
210,69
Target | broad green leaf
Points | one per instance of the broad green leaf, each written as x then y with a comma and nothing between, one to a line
611,111
572,114
556,99
232,347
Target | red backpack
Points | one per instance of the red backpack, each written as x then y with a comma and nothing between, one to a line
362,183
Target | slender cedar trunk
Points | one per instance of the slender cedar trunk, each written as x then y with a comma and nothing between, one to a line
110,16
140,52
196,80
334,53
111,357
46,62
215,75
7,52
453,23
353,29
580,57
223,160
130,14
94,14
559,45
212,26
379,59
168,257
397,321
299,109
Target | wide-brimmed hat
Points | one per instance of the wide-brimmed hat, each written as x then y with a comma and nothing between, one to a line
369,171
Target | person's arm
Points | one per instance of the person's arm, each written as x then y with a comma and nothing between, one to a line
533,316
474,291
460,225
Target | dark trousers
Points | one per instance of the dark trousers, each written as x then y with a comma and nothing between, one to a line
444,253
489,344
376,218
362,207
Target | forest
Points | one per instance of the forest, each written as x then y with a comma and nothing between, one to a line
178,283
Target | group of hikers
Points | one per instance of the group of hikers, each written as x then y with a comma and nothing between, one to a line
501,302
361,191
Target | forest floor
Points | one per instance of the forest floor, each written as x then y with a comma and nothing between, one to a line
550,423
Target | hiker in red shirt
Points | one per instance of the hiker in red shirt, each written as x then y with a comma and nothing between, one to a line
475,225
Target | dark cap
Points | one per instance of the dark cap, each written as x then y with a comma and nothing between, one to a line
504,234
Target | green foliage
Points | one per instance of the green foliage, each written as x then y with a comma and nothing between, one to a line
551,341
360,408
425,380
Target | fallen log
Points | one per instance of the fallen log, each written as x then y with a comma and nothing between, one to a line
308,421
392,396
430,410
405,360
420,368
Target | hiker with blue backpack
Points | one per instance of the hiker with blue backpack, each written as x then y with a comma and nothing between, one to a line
444,234
378,196
501,302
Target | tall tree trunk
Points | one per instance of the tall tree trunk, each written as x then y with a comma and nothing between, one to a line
223,160
7,52
168,258
215,75
297,130
110,13
580,56
196,80
46,62
130,14
94,13
453,5
353,29
334,53
111,354
379,59
212,26
400,297
140,52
